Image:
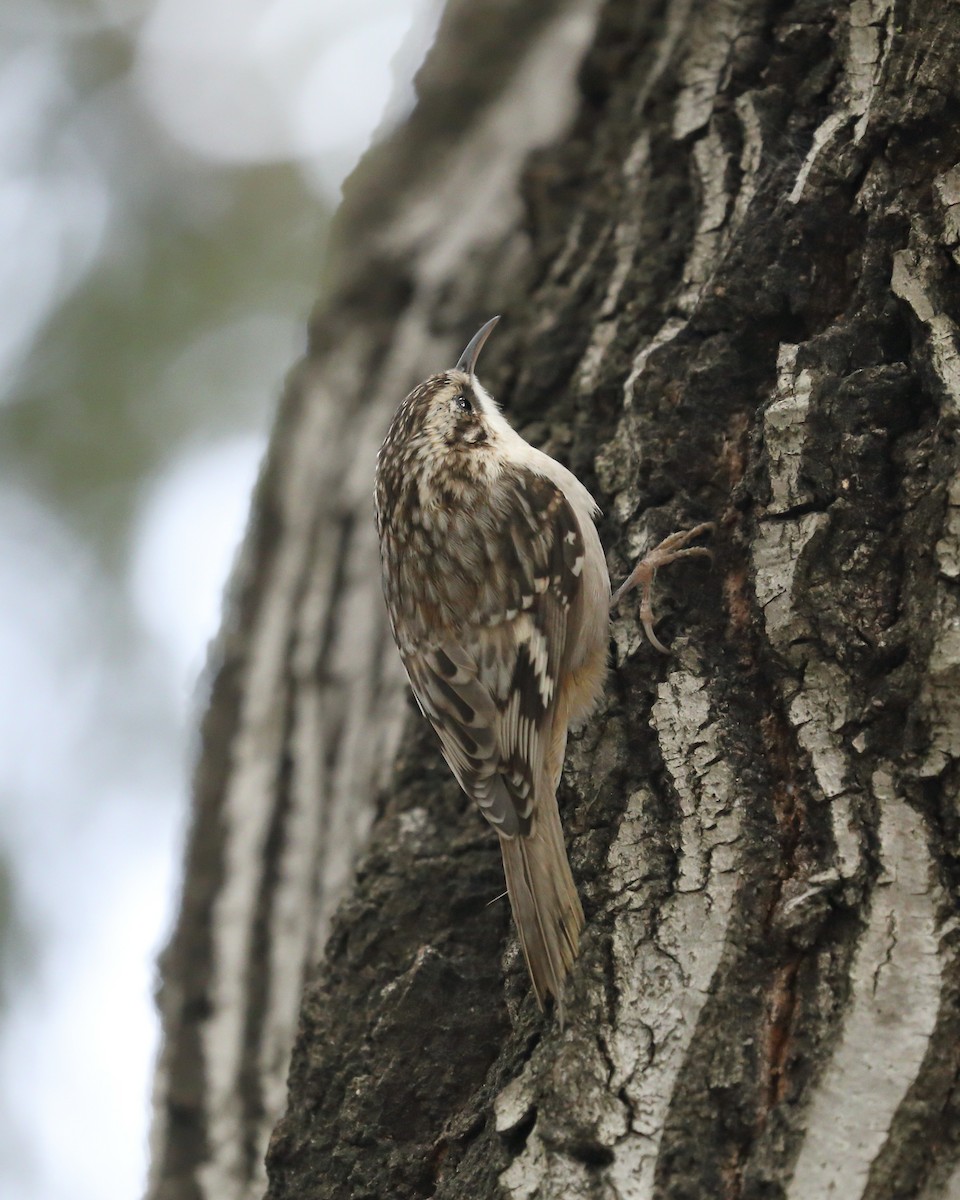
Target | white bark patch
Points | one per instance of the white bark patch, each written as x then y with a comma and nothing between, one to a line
543,1169
602,336
940,694
711,161
818,712
822,137
914,275
572,246
675,25
662,984
785,432
895,997
721,214
291,611
636,180
947,190
702,778
722,211
750,156
817,694
717,24
948,547
514,1104
333,763
846,836
950,1192
776,557
869,38
541,1173
626,238
664,335
628,232
911,281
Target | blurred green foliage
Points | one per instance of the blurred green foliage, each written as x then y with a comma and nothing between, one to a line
88,421
192,307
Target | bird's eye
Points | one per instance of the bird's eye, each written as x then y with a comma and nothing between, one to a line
462,404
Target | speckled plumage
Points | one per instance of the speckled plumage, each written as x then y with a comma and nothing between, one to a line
498,595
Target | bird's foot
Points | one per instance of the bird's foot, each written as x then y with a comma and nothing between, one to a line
645,572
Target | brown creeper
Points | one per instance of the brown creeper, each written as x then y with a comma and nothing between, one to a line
499,598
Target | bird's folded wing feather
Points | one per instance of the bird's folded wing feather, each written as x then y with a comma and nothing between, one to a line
489,689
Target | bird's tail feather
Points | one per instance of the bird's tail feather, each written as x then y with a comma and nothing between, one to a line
544,900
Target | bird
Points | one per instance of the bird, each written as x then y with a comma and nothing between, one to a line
499,600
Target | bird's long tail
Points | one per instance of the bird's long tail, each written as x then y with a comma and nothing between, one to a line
544,900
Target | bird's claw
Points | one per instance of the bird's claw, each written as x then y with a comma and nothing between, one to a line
645,572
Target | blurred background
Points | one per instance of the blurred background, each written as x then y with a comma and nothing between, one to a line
167,170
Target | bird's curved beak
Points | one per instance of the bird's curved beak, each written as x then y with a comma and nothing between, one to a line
468,359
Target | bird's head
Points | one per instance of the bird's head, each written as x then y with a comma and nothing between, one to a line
449,413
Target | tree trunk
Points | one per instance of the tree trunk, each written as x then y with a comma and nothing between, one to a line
724,238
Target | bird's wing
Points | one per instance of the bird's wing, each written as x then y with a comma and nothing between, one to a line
490,688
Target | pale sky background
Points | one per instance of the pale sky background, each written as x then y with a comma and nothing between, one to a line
140,361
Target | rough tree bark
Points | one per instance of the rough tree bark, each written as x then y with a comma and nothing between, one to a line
724,237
